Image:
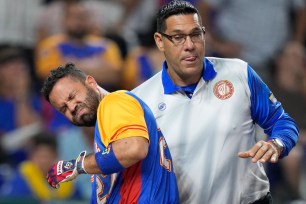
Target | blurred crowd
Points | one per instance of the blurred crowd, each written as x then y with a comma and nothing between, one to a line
112,40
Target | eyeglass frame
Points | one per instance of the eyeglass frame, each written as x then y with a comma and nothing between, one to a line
169,37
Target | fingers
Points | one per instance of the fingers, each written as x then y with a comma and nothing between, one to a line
262,151
52,181
251,152
52,177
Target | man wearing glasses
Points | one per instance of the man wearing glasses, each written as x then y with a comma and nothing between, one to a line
207,109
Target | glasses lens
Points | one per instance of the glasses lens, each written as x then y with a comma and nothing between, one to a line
179,39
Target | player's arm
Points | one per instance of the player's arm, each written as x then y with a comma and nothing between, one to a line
120,154
269,114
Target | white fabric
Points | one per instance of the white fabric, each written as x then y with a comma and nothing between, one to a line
205,135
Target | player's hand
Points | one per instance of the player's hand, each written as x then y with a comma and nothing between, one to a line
262,151
64,171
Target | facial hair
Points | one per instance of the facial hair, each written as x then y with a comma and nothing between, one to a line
77,34
91,103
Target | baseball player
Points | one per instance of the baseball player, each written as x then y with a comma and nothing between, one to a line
132,162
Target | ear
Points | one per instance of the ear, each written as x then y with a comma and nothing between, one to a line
91,82
159,41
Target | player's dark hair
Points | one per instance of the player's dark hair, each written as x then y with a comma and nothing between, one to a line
68,69
175,7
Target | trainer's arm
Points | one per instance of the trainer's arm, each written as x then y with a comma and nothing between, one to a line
127,151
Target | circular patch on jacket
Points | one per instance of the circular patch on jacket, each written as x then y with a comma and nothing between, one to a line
162,106
223,89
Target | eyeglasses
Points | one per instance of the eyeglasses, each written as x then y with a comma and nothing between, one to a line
179,39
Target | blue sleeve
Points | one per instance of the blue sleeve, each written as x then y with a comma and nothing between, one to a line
269,114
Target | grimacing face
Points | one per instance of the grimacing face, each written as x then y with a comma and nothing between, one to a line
78,102
185,61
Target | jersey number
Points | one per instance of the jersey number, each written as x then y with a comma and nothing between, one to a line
164,162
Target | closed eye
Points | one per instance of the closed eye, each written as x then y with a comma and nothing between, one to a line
63,109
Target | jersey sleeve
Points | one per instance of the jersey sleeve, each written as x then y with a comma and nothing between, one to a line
269,114
120,116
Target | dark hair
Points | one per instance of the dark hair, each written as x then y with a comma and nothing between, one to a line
43,138
10,54
175,7
62,71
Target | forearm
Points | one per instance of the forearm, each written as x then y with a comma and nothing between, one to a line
286,130
90,164
120,154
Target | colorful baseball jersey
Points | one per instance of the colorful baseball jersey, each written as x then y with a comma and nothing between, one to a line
58,49
152,180
205,132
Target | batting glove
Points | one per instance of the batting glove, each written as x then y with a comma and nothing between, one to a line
64,171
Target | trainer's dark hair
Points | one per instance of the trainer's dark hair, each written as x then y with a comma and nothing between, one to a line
175,7
68,69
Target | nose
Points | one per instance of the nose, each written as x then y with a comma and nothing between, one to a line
189,44
71,106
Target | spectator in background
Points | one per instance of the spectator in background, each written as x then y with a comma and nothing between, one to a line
254,31
20,106
97,56
287,85
52,15
134,17
28,181
143,61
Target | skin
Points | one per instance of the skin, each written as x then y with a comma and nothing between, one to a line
185,66
79,102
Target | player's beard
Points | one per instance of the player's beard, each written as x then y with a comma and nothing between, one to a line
91,103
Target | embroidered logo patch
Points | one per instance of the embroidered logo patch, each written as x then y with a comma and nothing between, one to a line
161,106
68,165
107,150
223,89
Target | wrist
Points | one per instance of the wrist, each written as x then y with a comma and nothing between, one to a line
278,144
80,163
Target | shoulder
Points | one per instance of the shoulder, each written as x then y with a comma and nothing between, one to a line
229,66
154,83
52,41
119,98
233,62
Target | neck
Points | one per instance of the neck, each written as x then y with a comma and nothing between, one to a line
184,79
102,92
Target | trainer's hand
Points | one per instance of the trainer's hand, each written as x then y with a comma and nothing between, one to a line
64,171
262,151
